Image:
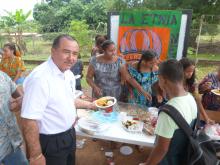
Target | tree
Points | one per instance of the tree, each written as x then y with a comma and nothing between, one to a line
95,13
56,15
80,30
15,23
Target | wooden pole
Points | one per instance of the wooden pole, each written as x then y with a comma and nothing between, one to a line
200,30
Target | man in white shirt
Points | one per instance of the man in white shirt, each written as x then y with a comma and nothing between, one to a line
49,106
171,141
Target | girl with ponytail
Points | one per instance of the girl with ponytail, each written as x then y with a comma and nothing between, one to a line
144,73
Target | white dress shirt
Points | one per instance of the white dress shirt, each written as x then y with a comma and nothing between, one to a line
49,98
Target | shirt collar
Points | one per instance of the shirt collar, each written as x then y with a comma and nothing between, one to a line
54,68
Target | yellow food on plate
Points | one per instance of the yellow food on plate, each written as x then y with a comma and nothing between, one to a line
109,102
216,91
102,102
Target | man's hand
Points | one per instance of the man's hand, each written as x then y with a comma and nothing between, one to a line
84,104
15,104
31,136
93,106
40,161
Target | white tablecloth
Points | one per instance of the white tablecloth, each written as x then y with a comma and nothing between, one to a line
116,133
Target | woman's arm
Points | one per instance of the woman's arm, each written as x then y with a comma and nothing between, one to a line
202,110
128,78
89,78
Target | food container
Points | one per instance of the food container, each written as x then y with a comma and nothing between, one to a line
106,104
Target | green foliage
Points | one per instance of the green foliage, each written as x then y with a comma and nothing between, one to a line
15,23
95,12
80,30
50,36
56,15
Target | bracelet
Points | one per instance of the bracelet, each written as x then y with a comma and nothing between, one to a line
36,158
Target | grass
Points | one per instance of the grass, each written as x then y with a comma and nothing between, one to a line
208,38
41,57
202,70
210,57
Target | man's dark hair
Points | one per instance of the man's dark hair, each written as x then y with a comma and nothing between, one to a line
171,70
56,41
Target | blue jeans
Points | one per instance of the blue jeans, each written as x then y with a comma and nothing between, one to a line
15,158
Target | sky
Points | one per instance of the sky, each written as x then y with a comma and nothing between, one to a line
12,5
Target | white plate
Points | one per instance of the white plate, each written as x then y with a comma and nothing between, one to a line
138,129
126,150
91,126
215,91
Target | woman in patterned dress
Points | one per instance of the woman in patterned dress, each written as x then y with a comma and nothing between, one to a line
12,65
145,73
107,72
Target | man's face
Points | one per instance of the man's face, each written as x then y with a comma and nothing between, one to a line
66,54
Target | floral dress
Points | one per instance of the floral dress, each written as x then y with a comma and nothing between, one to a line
146,80
10,137
11,66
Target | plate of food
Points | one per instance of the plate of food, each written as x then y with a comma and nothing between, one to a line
133,126
216,92
106,103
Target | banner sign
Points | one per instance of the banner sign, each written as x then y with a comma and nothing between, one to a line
142,30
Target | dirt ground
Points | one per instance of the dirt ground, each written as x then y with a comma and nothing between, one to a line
92,154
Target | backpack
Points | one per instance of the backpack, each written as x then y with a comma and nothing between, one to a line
201,150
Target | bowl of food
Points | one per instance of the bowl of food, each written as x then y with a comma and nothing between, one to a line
106,103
